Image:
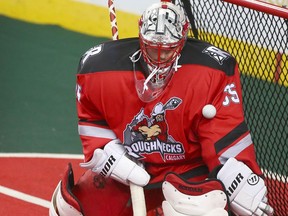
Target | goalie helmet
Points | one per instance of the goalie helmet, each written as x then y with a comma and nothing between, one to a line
163,31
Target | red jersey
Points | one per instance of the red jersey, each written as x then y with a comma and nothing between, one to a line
184,141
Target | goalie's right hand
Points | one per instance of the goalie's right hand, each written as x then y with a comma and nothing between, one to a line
112,162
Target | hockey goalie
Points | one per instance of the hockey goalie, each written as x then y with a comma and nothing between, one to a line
140,105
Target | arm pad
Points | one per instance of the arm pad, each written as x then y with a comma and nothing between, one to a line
112,162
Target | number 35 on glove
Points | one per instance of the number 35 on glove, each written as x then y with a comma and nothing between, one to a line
246,190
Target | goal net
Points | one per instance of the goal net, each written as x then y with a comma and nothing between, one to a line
255,33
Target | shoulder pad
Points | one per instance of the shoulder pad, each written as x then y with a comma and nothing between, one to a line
111,55
202,53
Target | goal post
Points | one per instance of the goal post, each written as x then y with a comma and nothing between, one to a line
269,7
256,34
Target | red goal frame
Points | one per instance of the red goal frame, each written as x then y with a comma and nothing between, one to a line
262,6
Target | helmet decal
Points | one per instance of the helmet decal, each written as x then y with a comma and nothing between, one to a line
163,22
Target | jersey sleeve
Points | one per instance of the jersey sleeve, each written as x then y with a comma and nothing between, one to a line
93,91
93,129
226,135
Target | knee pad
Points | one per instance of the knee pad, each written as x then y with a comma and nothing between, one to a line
63,202
205,198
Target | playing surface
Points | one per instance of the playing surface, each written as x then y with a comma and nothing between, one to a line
38,67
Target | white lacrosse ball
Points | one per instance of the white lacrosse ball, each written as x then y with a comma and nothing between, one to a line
209,111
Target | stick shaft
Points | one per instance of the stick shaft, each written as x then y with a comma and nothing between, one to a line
137,192
113,21
138,200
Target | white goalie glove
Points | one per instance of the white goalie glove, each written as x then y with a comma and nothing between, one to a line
246,190
112,162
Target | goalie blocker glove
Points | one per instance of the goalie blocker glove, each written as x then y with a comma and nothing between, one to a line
112,162
246,190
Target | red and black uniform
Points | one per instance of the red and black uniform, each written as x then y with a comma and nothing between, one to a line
109,107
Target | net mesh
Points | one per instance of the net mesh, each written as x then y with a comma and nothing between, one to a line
258,41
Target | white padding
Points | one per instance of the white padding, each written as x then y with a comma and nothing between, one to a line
112,162
129,171
169,211
53,207
179,204
59,207
247,191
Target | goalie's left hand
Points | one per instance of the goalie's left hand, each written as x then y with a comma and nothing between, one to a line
246,190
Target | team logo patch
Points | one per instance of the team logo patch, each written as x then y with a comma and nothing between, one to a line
216,53
91,52
99,181
149,134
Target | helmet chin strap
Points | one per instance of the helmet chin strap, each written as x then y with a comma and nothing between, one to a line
174,67
133,58
155,70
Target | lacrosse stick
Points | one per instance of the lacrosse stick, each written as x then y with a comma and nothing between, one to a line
137,192
138,199
113,21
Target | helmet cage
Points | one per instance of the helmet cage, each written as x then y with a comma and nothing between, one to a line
163,29
175,49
